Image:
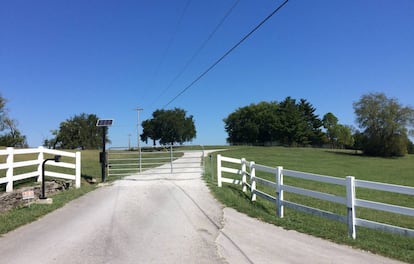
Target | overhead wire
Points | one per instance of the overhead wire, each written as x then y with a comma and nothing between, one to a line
226,54
172,39
198,51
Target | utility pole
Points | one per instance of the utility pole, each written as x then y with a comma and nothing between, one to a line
138,109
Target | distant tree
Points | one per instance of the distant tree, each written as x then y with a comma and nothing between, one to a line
299,125
312,123
288,123
410,147
149,131
339,136
169,127
385,123
79,131
330,123
10,135
345,138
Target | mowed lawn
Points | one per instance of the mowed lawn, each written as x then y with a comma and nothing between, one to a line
335,163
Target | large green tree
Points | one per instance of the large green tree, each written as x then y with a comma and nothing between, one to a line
253,124
80,131
288,122
10,135
169,127
385,123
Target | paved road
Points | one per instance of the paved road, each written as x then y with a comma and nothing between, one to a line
163,218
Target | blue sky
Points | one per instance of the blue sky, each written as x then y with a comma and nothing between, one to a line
60,58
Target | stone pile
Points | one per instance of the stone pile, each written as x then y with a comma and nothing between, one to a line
15,199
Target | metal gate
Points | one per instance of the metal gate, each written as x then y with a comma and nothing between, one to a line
167,160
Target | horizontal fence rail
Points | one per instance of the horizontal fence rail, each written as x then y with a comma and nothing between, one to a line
23,158
246,169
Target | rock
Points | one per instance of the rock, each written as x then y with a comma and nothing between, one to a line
15,199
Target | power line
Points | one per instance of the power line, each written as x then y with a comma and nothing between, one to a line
172,39
227,53
202,46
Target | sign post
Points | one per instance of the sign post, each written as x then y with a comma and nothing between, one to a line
103,159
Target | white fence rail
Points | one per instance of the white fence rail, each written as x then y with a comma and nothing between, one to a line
249,169
12,162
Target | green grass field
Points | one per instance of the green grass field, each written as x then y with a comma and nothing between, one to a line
321,161
333,163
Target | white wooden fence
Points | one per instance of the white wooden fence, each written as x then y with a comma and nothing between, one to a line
349,200
12,163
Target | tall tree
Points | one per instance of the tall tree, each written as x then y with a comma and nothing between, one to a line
169,127
385,122
299,123
79,131
289,123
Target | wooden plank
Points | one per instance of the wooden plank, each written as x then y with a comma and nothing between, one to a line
385,207
314,177
62,164
315,211
231,170
25,175
234,181
385,187
231,160
264,168
384,227
59,152
266,182
25,163
60,175
315,194
265,196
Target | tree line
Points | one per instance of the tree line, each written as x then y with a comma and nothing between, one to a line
288,123
385,126
383,121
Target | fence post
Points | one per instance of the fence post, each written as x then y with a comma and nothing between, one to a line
171,158
219,170
40,159
9,173
243,171
253,181
350,204
279,191
77,169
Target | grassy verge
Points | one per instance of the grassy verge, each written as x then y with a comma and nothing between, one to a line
340,164
20,216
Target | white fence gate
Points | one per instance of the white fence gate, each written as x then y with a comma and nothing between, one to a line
23,158
168,160
249,169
